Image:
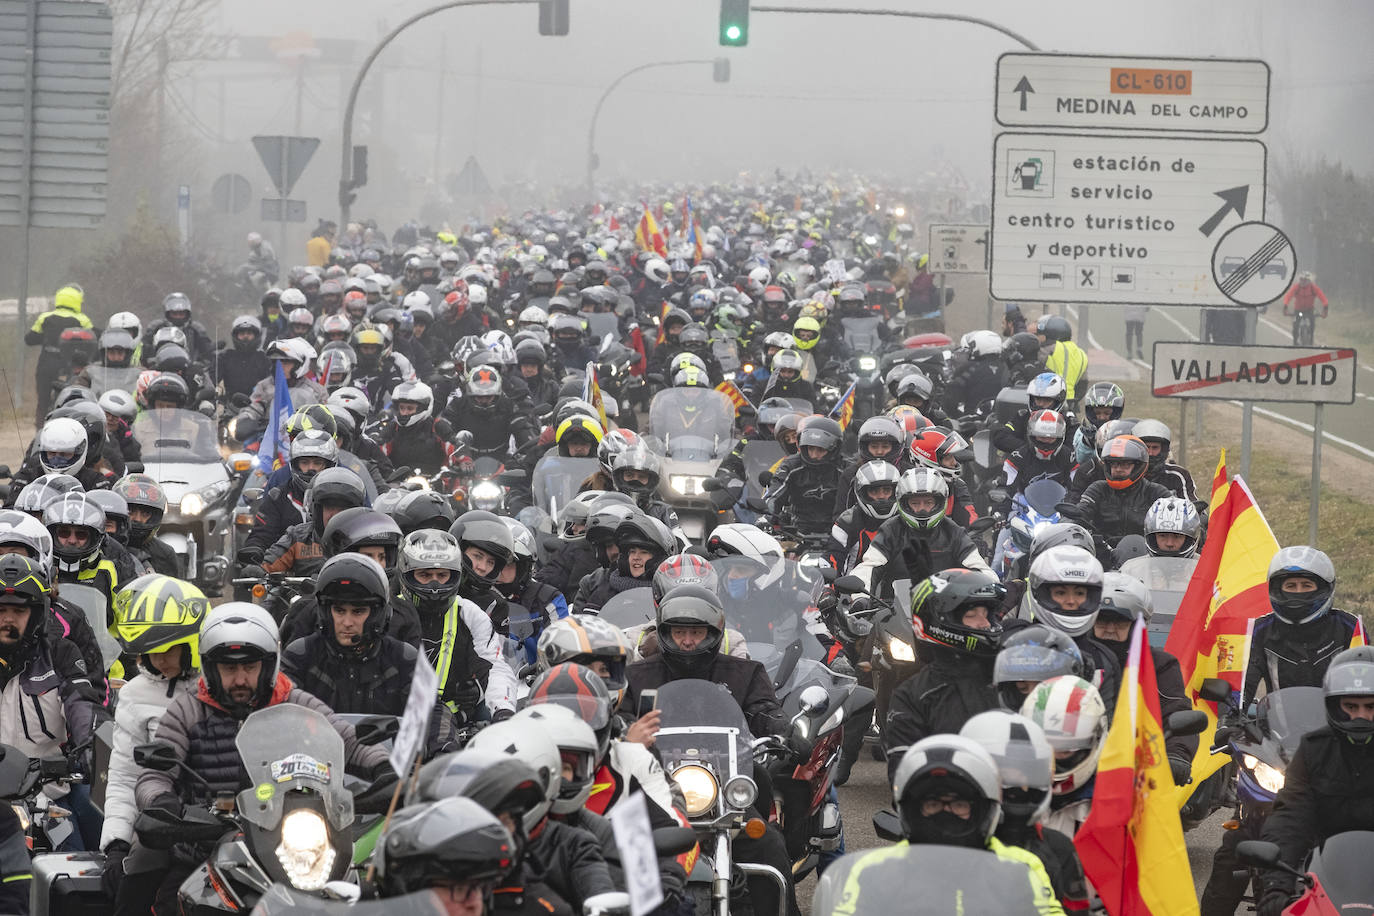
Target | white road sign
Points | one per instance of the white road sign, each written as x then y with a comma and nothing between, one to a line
958,249
1305,375
1132,93
1121,219
1254,263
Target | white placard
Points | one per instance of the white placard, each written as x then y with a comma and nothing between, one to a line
634,837
414,727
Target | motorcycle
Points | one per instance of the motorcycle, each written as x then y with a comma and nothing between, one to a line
556,480
924,880
291,825
1335,880
1032,510
890,645
696,427
181,452
861,335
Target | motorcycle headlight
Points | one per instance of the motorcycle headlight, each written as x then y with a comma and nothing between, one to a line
416,483
698,787
195,502
305,854
1270,779
687,484
21,812
740,792
900,649
485,495
867,364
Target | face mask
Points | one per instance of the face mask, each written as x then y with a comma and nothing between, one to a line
737,588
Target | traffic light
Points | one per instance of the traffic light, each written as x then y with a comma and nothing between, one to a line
720,70
734,23
359,170
553,17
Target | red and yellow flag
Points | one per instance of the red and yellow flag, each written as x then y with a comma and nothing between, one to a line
843,411
662,317
647,234
1228,589
1132,845
731,391
591,393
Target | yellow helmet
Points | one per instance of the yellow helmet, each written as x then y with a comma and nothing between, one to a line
154,613
576,425
364,336
816,309
69,297
447,238
922,261
809,327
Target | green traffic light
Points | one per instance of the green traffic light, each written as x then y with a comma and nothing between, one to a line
733,32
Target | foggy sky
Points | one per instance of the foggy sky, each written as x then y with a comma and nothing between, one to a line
873,95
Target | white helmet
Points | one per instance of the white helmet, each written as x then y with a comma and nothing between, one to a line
948,763
62,446
22,528
984,343
418,392
1064,565
521,736
1074,719
575,739
119,404
738,539
293,349
656,269
417,299
1025,761
761,275
126,321
1172,515
291,298
360,270
241,632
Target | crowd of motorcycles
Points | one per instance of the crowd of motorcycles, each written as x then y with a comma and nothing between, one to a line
598,398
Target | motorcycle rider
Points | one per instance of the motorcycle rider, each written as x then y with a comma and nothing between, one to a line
412,436
312,451
1066,358
642,543
47,331
785,378
1043,456
917,390
176,313
350,662
920,539
380,370
690,622
240,367
1046,391
543,604
157,622
875,501
490,417
1173,477
1323,792
295,356
1064,592
61,447
1074,718
880,439
240,673
82,553
147,505
456,635
979,379
1304,294
300,551
635,472
956,615
1115,507
804,487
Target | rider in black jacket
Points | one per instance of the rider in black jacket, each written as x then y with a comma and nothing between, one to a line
803,490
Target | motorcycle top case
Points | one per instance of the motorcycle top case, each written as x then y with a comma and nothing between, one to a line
1009,403
68,884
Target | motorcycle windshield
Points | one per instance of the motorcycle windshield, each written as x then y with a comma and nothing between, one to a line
862,333
726,352
288,748
282,900
768,605
92,603
1044,496
556,480
105,379
631,608
1167,579
760,455
703,724
951,879
600,324
699,415
171,436
1287,714
1341,865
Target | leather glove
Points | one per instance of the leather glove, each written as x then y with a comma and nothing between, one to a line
443,429
1182,770
376,798
113,873
465,698
828,602
799,747
1273,901
248,556
170,801
79,759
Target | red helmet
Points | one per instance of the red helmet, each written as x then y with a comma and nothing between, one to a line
1123,449
931,446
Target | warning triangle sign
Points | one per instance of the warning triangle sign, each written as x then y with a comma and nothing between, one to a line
285,158
470,181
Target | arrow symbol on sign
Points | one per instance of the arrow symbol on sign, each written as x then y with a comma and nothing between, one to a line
1023,87
1235,200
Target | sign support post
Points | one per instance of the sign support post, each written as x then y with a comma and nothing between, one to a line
1320,409
1247,410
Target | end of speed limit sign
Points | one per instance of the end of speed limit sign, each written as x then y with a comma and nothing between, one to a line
1254,263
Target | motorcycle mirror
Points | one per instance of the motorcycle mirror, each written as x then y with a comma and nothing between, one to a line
712,485
888,826
156,755
849,585
1215,689
815,700
765,477
5,471
252,494
997,496
1259,853
610,903
829,573
133,467
376,729
1185,722
674,841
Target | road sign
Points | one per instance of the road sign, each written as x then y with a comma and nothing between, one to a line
277,210
1226,372
285,158
958,249
1254,263
1207,95
231,193
1092,218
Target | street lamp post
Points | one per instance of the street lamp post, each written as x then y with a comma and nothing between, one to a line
346,150
908,14
596,113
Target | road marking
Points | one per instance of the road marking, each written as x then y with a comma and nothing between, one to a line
1287,334
1164,313
1307,427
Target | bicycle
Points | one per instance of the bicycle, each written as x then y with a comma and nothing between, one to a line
1304,323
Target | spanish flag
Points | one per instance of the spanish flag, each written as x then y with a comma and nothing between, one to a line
647,235
843,411
1131,845
662,317
731,391
1228,589
591,393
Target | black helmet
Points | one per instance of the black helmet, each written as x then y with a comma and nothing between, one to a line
23,583
1023,345
419,509
142,492
486,532
500,783
351,578
1350,674
1055,327
645,533
430,549
939,603
358,529
339,488
441,843
690,606
821,432
1030,655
